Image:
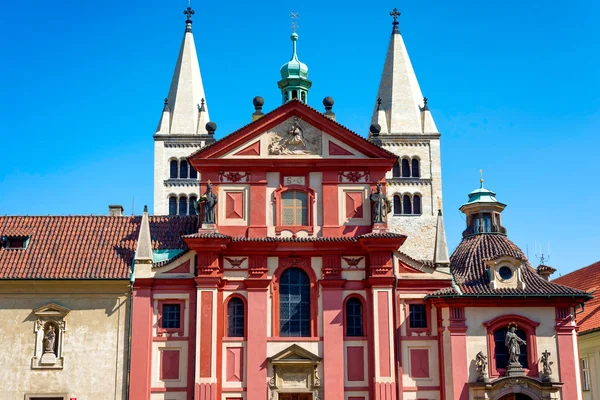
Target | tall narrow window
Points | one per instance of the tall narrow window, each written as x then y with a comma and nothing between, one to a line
182,205
487,222
416,172
407,207
501,352
294,94
183,169
585,374
172,205
173,169
396,170
294,208
354,317
193,173
397,205
417,316
294,303
171,316
235,317
192,210
405,168
417,204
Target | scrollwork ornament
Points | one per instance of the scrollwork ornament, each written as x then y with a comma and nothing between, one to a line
316,377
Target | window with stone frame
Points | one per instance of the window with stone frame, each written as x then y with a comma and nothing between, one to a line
294,303
354,317
236,318
417,316
294,208
171,316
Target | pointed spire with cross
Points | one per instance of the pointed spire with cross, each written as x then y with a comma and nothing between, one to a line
395,14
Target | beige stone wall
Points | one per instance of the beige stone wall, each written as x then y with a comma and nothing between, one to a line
589,348
94,345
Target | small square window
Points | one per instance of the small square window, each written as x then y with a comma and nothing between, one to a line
417,316
171,316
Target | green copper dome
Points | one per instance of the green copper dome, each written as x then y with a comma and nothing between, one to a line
482,195
294,68
294,83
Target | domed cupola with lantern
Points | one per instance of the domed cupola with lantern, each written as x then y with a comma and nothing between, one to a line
294,83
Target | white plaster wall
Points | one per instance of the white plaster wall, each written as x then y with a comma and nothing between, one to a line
94,344
477,332
589,347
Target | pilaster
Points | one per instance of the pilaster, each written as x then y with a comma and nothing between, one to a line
458,346
141,345
333,338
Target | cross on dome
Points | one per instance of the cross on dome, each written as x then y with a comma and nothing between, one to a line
294,15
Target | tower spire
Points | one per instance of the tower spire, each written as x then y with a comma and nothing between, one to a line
399,90
294,83
186,91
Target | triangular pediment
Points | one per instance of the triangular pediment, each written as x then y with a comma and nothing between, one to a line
295,355
51,310
292,131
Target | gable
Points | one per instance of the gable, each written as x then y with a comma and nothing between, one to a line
292,131
294,355
295,138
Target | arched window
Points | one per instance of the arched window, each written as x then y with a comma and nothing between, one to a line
173,169
303,96
294,208
405,168
192,210
396,170
397,205
182,206
416,172
193,173
294,94
294,303
417,205
407,206
183,169
172,205
235,317
354,317
501,351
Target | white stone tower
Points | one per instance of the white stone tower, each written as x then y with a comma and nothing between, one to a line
403,125
180,132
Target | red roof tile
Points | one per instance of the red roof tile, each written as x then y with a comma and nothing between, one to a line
588,280
83,247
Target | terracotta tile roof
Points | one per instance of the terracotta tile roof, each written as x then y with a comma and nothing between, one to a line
83,247
469,270
279,239
588,280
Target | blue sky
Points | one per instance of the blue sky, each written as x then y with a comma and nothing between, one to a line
513,87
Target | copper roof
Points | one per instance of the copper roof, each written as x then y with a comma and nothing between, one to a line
83,247
586,279
468,268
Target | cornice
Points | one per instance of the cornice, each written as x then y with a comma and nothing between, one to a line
409,181
181,182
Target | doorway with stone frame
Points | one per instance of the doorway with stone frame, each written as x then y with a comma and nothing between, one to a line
294,375
295,396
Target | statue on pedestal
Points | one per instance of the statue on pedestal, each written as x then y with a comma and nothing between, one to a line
209,202
481,363
381,205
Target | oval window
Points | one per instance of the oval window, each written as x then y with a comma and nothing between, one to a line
505,273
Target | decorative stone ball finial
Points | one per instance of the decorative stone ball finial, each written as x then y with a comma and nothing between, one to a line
211,127
375,129
258,102
328,102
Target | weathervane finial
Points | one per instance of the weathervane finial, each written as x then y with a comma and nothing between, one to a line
294,15
189,12
481,177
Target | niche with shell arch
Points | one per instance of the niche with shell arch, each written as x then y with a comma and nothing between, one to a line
49,329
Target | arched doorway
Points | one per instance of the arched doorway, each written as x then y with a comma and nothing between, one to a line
516,396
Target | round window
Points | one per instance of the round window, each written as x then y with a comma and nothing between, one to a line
505,273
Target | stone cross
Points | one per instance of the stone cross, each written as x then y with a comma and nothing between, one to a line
395,14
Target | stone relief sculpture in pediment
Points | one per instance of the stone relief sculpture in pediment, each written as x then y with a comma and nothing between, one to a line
295,137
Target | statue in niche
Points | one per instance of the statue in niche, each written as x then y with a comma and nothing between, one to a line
381,205
49,338
209,202
513,343
295,141
481,363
